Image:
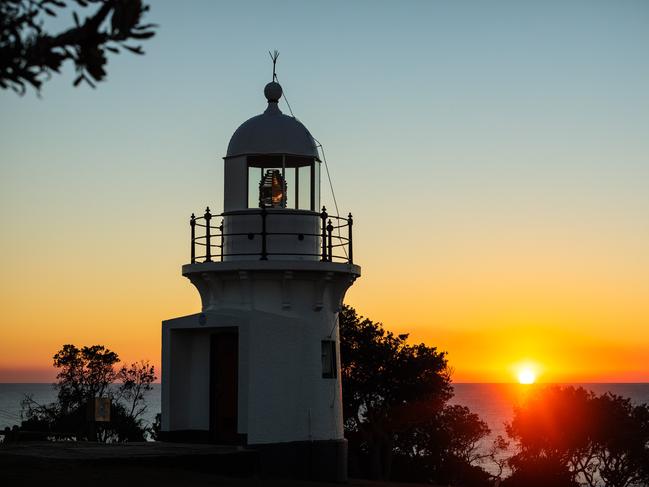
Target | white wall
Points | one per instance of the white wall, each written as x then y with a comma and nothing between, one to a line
282,317
307,223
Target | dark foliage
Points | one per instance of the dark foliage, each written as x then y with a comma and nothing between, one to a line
29,54
541,472
156,427
85,374
569,436
421,457
445,449
74,424
397,421
135,380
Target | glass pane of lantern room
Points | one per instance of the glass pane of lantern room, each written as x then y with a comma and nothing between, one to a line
255,175
289,181
316,186
304,187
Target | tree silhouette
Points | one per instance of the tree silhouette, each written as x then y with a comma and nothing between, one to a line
29,55
570,436
445,449
84,374
136,380
389,385
394,401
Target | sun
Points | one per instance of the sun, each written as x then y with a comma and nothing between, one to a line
526,375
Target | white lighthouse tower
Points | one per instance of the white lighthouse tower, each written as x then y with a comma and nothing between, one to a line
260,364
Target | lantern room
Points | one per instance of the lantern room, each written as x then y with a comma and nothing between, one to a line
272,161
271,197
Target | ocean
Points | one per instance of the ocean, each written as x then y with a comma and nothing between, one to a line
494,403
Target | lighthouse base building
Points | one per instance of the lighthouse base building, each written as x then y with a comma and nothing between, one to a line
259,366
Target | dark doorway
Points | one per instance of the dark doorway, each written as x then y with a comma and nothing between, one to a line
224,360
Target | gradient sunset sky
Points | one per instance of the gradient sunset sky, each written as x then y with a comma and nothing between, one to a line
495,156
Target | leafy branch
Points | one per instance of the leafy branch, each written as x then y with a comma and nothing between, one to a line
29,55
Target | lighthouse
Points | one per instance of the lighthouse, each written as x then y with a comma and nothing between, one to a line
259,365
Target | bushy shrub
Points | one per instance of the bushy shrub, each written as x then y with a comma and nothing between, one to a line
85,374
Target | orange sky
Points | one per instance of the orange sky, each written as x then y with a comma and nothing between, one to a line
490,304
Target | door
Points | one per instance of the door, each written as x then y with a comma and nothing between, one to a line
224,361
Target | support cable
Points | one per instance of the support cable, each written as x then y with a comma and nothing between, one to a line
324,157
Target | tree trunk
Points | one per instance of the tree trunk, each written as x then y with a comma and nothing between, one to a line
376,470
386,446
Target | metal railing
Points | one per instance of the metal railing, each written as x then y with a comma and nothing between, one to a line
211,238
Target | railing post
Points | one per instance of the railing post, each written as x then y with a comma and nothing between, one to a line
264,251
208,244
323,216
222,239
350,222
330,229
192,224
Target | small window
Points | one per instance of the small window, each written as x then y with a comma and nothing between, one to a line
329,367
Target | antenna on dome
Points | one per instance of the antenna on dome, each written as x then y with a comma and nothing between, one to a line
273,56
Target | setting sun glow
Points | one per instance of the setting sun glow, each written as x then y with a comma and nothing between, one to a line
526,376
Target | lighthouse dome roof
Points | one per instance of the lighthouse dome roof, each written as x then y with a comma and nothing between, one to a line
272,132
